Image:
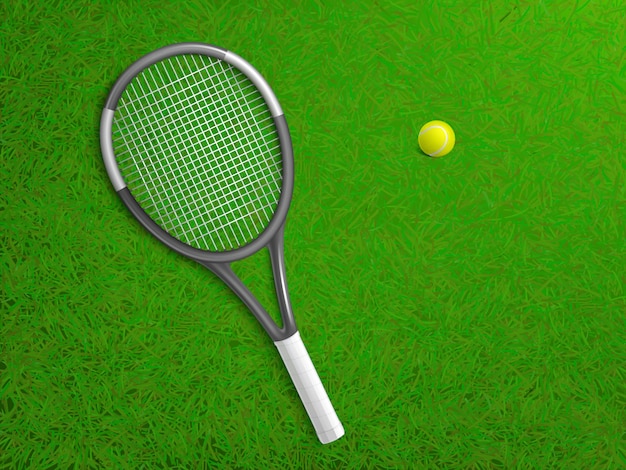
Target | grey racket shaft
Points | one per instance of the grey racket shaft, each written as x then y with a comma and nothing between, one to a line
198,149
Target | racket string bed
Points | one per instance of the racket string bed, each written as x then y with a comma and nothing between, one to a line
170,131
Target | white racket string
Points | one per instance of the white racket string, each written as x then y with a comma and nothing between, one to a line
199,151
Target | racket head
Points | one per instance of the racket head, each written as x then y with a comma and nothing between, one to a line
197,146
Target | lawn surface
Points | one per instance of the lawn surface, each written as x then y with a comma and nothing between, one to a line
463,312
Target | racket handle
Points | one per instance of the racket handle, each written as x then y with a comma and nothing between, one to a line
310,388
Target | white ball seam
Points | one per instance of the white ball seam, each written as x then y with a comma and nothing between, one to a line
434,154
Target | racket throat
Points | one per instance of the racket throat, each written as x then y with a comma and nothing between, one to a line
276,248
277,333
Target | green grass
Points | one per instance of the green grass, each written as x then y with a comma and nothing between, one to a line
463,312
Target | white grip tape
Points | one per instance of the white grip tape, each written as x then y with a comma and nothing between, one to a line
310,389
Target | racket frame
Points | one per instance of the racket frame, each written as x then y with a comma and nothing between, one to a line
271,237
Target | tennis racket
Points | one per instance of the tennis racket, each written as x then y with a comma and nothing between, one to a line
197,147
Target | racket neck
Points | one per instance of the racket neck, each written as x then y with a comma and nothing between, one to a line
228,276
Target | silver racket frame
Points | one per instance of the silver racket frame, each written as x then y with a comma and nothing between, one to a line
272,237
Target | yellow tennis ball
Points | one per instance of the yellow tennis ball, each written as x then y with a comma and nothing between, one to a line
436,138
